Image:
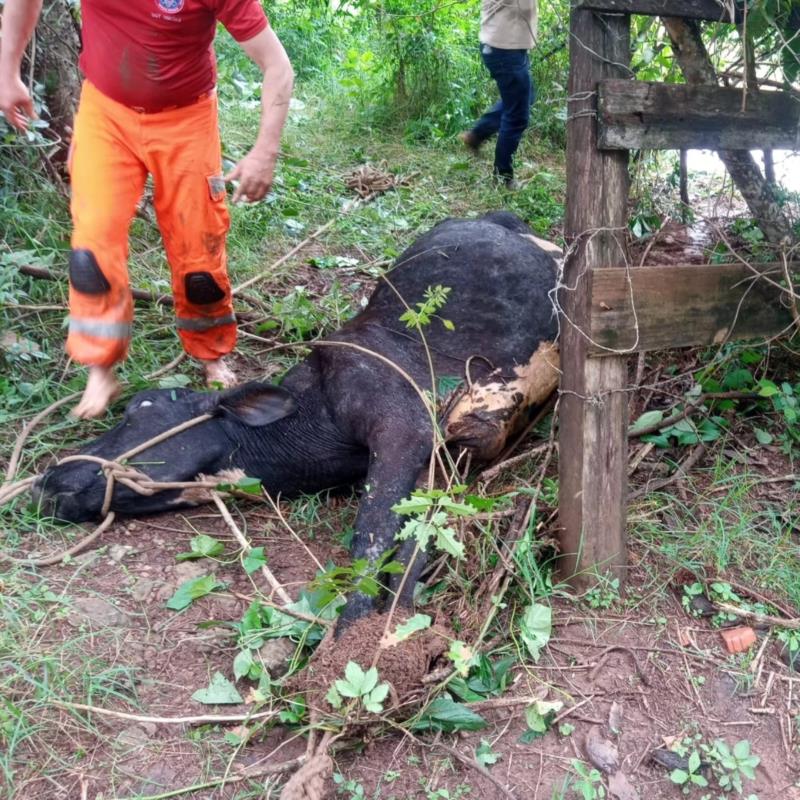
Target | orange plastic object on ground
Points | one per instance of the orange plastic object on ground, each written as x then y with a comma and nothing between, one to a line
740,639
113,150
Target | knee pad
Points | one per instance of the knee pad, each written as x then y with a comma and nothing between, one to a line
202,289
85,274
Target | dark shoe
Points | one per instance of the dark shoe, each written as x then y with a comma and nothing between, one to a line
470,141
506,181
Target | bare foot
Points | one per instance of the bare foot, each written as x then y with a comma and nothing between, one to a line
102,388
219,374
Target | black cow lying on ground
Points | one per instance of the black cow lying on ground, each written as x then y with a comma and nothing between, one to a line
342,415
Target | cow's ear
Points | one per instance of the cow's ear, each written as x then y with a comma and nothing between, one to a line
256,404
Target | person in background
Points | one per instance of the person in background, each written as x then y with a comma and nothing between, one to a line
507,33
148,106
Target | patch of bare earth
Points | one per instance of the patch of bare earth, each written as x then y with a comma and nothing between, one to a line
630,670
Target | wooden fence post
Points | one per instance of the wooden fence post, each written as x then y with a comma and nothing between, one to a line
593,411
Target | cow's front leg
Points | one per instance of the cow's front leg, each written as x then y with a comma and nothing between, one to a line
395,463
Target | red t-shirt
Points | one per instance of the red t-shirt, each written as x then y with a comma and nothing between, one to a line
154,54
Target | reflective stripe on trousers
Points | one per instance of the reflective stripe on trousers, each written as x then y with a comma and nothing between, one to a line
100,329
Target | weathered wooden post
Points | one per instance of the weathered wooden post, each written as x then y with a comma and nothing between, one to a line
608,309
593,415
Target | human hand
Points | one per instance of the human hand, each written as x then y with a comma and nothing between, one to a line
254,174
16,102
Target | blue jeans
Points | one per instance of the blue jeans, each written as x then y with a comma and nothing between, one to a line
509,116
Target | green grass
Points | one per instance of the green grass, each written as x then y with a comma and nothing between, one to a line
723,530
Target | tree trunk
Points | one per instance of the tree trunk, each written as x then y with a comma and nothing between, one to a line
742,167
54,54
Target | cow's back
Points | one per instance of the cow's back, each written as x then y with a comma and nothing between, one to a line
499,283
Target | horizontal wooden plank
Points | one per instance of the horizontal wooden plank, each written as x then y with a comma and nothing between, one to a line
685,305
635,115
714,10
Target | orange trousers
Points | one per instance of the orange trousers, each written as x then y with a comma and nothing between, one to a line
113,150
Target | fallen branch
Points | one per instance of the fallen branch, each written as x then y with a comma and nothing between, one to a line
48,561
275,264
198,719
267,769
683,468
492,472
751,592
247,547
470,762
42,273
759,618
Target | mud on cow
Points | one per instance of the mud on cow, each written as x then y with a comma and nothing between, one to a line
344,415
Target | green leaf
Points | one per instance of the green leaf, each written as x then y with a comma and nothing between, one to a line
333,697
535,628
191,590
446,540
738,379
219,692
248,485
420,531
379,693
370,680
694,761
254,560
242,663
444,714
748,771
741,749
355,675
646,420
767,388
539,715
566,729
459,509
446,384
412,505
419,622
679,776
346,689
462,657
203,546
373,701
484,754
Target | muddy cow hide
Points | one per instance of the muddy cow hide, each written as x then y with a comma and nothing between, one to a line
342,414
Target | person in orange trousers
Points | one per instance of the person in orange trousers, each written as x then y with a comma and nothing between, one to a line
148,106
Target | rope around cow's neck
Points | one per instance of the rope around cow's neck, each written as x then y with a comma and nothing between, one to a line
115,471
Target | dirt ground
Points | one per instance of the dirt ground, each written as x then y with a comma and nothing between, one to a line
595,662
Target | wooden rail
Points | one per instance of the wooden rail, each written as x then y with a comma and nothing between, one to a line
657,308
634,115
712,10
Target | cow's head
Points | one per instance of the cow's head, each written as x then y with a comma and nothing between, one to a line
74,491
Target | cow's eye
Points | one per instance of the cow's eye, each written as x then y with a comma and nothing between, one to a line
145,403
